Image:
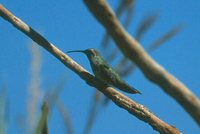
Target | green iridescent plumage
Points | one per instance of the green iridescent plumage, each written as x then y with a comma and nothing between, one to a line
105,73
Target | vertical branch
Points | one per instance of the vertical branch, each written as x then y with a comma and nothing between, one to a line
34,92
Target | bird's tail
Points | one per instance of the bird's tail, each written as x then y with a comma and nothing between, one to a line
127,88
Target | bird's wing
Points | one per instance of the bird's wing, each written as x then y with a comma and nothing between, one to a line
108,74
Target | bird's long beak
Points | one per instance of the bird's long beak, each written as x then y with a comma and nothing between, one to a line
81,51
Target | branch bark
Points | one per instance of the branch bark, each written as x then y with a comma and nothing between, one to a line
152,70
119,99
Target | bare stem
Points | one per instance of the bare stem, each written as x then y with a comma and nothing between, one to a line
119,99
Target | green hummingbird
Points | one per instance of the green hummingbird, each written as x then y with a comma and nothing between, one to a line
104,72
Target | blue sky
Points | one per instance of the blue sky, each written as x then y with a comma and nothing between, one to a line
69,25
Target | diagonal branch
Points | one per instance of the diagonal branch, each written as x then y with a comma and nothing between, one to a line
119,99
152,70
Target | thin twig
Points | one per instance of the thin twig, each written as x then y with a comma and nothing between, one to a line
143,27
125,71
118,98
152,70
52,95
4,110
66,117
165,37
42,127
125,6
93,112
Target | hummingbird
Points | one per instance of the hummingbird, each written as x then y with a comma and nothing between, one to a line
106,73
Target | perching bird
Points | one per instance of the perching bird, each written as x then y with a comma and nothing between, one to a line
104,72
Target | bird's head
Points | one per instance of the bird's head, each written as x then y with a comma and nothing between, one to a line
89,52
